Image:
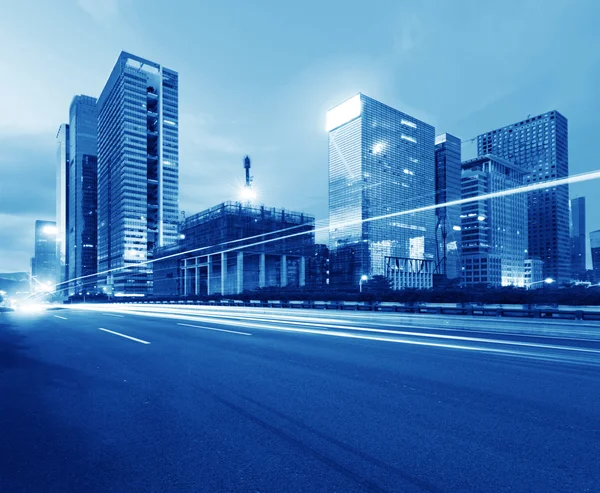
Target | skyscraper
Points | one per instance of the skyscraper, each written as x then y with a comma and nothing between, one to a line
43,263
62,203
381,161
138,158
578,268
595,246
494,231
448,188
82,193
539,145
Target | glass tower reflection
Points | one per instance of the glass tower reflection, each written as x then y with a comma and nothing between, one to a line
381,161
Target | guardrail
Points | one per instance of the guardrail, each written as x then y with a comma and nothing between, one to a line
508,311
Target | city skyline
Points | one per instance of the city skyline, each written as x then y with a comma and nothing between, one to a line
212,142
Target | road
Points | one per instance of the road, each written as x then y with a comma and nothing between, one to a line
102,398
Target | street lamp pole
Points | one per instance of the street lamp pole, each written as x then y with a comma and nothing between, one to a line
548,280
363,278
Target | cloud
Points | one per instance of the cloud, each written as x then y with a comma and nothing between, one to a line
104,12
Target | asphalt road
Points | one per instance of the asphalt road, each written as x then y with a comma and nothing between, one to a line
160,399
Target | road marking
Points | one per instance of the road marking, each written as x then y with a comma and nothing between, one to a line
62,318
123,335
218,330
113,315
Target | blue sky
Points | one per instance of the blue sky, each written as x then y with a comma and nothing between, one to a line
257,78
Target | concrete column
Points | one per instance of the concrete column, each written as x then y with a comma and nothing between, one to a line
302,273
240,272
185,277
197,279
261,271
223,272
283,282
208,273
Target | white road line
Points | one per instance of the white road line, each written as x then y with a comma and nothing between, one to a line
123,335
218,330
113,315
62,318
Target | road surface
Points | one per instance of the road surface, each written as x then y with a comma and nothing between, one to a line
133,398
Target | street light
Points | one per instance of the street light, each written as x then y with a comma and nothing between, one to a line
363,278
548,280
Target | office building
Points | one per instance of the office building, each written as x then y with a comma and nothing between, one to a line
62,203
534,273
595,247
43,263
235,247
539,145
578,239
381,162
448,189
138,181
82,223
494,231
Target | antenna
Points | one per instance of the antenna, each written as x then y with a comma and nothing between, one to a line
247,165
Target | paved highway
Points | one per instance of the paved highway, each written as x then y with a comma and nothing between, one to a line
191,399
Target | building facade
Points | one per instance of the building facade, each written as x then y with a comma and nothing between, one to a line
494,231
235,247
82,219
539,145
595,247
43,263
534,273
62,203
381,166
578,239
447,189
138,161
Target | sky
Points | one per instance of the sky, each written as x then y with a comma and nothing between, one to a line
258,77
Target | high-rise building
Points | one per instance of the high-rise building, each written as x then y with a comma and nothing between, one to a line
62,203
138,160
494,231
381,162
595,246
578,269
539,145
43,263
534,273
82,223
447,189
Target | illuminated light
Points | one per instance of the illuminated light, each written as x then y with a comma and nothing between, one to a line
377,148
247,194
456,228
548,280
182,236
343,113
410,139
452,246
49,230
408,124
408,172
169,122
364,277
481,218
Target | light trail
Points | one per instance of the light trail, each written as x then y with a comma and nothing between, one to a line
592,175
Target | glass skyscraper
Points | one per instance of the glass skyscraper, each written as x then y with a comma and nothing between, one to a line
43,263
138,160
381,161
595,247
448,188
578,268
82,194
62,205
539,145
494,231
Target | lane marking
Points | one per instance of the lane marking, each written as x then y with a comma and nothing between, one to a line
123,335
218,330
62,318
113,315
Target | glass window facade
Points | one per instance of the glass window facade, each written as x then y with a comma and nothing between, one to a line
62,203
539,145
595,246
578,266
448,188
138,170
494,231
82,194
381,161
43,263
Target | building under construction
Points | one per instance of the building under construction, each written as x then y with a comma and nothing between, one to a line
235,247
